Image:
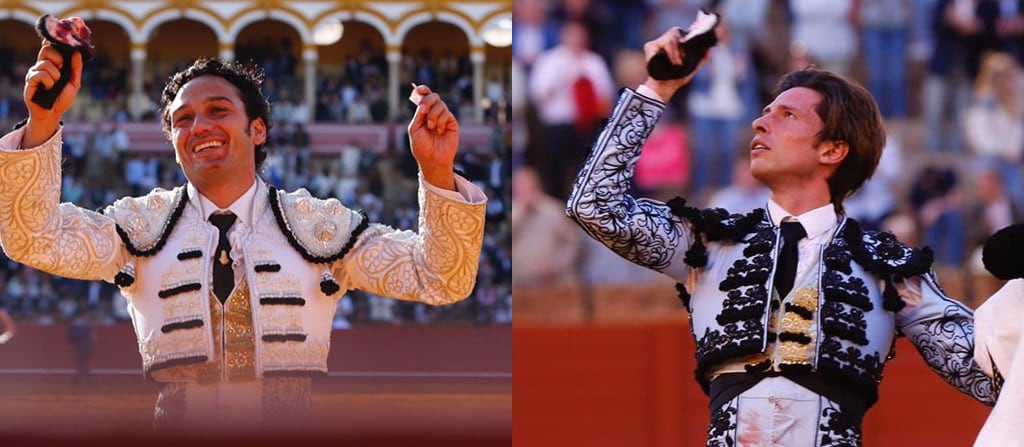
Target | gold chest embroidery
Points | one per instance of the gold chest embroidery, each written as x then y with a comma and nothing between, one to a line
238,332
792,352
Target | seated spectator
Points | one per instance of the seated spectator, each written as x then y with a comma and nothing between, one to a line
544,243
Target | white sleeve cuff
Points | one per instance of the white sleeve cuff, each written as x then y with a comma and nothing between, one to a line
12,141
466,191
649,92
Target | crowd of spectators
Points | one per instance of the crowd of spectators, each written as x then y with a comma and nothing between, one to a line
100,166
354,91
946,74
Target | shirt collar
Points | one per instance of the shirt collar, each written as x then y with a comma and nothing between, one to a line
816,222
241,207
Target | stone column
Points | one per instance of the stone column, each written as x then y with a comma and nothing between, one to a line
394,57
137,99
477,57
227,51
311,56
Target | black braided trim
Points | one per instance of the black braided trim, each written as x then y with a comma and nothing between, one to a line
275,205
280,338
172,363
178,290
171,222
181,325
267,268
190,254
282,301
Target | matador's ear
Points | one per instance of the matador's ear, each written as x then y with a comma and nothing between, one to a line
1003,254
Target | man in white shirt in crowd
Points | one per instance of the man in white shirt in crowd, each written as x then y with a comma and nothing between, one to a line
563,78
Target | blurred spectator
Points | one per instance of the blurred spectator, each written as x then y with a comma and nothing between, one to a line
886,25
980,18
572,89
994,122
744,194
874,202
81,337
592,15
946,88
746,18
716,108
545,244
823,27
520,133
994,210
936,200
669,14
1010,28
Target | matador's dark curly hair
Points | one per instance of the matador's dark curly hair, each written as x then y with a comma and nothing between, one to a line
246,79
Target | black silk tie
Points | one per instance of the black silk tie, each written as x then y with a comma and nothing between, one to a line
223,274
785,268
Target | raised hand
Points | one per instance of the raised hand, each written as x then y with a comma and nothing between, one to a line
42,123
434,138
669,43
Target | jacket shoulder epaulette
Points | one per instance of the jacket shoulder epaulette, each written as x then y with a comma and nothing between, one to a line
321,230
144,223
882,254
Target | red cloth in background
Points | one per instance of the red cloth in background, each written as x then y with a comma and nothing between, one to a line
588,105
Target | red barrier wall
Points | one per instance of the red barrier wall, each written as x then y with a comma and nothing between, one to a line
632,385
371,348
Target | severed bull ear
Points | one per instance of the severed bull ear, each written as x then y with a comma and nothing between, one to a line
1001,254
700,37
67,36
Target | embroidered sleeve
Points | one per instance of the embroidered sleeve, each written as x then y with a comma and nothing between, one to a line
644,231
942,330
37,230
436,265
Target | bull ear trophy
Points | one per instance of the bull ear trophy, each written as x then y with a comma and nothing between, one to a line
699,39
67,36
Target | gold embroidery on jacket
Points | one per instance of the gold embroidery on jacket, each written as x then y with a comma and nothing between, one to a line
792,352
238,332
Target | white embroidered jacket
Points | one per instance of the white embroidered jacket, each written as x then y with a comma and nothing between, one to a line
303,254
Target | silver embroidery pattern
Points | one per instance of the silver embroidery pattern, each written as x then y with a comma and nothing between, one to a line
145,219
309,355
61,239
322,227
436,266
175,345
641,230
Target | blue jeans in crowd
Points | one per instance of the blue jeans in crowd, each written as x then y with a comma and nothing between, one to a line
941,98
946,238
885,51
714,149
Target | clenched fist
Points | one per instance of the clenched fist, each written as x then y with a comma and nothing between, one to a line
42,123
